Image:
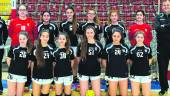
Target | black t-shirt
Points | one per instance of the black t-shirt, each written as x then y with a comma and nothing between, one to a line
53,29
140,57
83,26
19,60
67,26
116,56
3,32
63,62
91,65
45,71
108,31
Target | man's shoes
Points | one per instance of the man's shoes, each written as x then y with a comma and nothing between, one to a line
163,93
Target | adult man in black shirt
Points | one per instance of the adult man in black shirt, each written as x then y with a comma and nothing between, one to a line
3,38
162,26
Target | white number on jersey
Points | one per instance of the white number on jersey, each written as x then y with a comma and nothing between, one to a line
91,51
139,54
46,55
117,52
62,55
23,54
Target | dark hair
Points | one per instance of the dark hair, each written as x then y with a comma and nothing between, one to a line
39,50
96,18
74,19
41,18
67,45
120,32
112,11
29,44
84,43
140,11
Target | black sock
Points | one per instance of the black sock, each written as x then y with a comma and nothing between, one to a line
44,94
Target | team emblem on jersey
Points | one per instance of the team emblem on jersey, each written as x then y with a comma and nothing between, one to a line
145,50
50,28
70,28
0,25
91,51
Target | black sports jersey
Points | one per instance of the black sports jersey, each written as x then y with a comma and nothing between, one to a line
53,29
67,26
83,26
140,58
108,31
3,32
63,62
19,60
91,65
45,71
116,56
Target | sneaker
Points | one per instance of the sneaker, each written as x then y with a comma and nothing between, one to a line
162,92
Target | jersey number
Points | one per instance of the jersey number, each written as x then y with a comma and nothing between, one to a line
91,51
22,54
139,54
46,55
62,55
117,52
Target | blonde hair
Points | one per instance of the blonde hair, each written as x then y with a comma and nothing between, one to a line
112,11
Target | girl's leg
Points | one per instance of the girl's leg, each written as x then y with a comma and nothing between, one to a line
67,90
11,88
96,86
83,87
123,85
45,89
36,89
146,89
20,88
112,88
59,89
135,88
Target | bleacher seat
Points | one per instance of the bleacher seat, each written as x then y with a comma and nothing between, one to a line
54,7
31,7
42,7
32,1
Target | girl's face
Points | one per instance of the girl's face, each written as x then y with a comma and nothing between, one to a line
23,40
139,16
44,37
139,38
62,40
90,15
114,17
90,33
46,17
69,13
116,37
166,6
22,11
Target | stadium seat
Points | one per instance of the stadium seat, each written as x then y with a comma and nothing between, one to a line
42,7
54,7
31,7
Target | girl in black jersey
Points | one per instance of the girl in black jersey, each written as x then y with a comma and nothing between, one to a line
70,26
64,58
113,23
52,27
89,53
92,20
115,60
42,67
141,58
18,62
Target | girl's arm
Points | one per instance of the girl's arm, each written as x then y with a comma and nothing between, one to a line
103,63
8,61
150,61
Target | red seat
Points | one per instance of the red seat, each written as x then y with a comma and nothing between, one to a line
126,8
112,1
57,1
78,7
125,1
42,7
78,1
54,7
32,1
136,7
45,1
54,16
31,7
91,1
102,7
